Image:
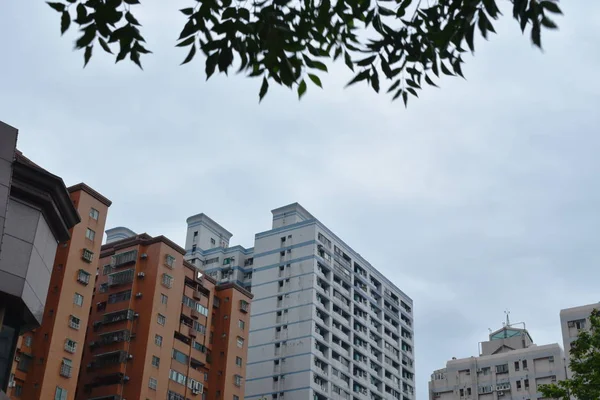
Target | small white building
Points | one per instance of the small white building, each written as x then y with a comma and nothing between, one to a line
510,367
572,321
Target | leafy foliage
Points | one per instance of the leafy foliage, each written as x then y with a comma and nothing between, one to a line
286,42
585,366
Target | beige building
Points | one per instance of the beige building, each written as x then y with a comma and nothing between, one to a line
510,367
572,321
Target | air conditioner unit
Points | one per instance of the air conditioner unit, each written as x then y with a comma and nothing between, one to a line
141,274
17,358
130,357
11,384
143,256
138,295
500,393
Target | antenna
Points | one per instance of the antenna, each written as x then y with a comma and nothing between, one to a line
507,312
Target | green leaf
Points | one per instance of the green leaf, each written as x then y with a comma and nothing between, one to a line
187,11
87,55
536,35
263,89
60,7
301,89
412,91
469,37
186,42
319,65
394,86
131,19
190,55
348,61
65,22
548,23
375,80
359,77
211,64
429,81
405,98
366,61
131,2
104,45
316,80
135,57
445,70
551,6
86,39
338,52
483,23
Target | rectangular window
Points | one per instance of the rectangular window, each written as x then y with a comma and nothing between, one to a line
152,383
107,269
158,340
94,214
237,380
74,322
70,346
65,368
18,390
29,341
163,299
83,277
526,383
240,342
78,299
516,365
169,261
161,319
87,255
518,385
525,365
242,324
120,296
236,397
167,280
90,234
24,363
60,393
180,357
238,361
155,361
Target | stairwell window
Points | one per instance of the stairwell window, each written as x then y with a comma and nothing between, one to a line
170,261
78,299
240,342
167,280
237,380
83,277
74,322
87,255
158,340
60,393
152,383
155,361
70,346
161,319
90,234
94,214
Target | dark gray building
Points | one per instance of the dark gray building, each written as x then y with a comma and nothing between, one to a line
36,214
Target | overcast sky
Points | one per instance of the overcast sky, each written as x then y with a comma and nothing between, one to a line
482,196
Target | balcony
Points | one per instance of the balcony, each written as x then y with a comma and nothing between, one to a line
113,337
121,278
118,316
125,258
108,359
192,332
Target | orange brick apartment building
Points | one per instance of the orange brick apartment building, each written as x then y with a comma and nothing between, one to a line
158,329
47,360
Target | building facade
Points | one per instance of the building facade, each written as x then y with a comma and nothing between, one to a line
324,322
572,322
510,367
48,359
36,214
159,329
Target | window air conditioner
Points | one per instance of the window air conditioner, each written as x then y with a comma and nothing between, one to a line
141,274
143,256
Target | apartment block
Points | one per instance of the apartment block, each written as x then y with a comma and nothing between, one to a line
510,367
48,359
572,322
159,328
36,214
324,322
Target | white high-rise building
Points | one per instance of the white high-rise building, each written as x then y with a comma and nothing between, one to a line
572,321
325,324
510,367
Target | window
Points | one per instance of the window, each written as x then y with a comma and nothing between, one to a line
94,214
65,368
169,261
244,305
516,365
242,324
177,377
18,390
180,357
468,391
163,299
24,363
60,393
74,322
526,382
158,340
525,365
237,380
238,361
167,280
90,234
500,369
83,277
462,392
212,241
28,341
155,361
195,233
87,255
120,296
107,269
70,346
78,299
161,319
518,385
152,383
236,397
240,342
